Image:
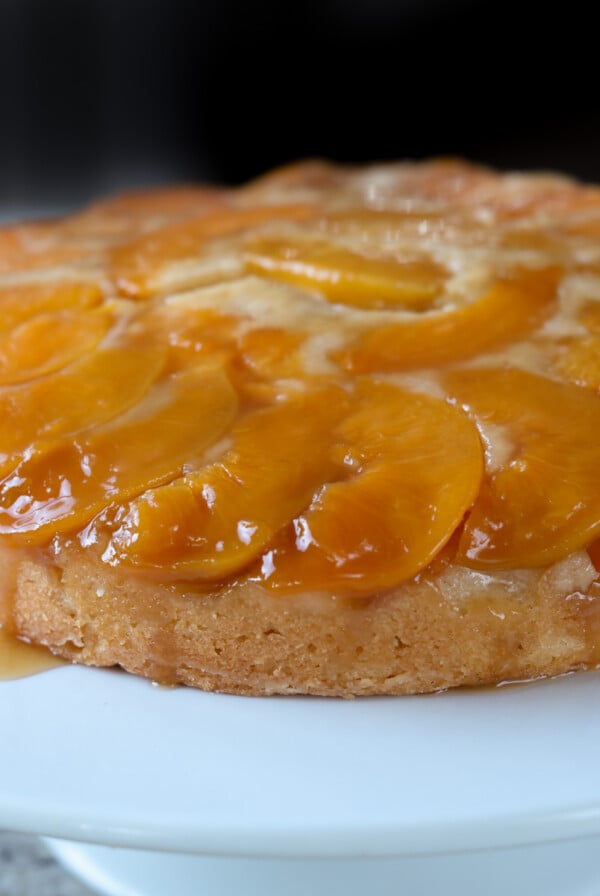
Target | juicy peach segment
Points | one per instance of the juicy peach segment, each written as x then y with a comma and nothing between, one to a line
413,467
134,263
590,316
511,308
345,276
48,342
594,554
190,338
34,247
580,362
212,523
60,485
87,393
145,210
270,352
542,501
20,302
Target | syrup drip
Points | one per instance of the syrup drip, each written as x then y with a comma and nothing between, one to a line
19,659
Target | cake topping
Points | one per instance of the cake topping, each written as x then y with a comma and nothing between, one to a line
312,406
543,502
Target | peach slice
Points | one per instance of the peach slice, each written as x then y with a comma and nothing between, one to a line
60,485
49,342
590,316
511,308
190,338
580,362
134,263
212,523
413,467
87,393
21,302
314,178
270,352
345,276
26,247
542,501
145,210
594,553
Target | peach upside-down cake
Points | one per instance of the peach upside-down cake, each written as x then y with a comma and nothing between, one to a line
335,432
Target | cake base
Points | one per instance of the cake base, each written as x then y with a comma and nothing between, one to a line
445,629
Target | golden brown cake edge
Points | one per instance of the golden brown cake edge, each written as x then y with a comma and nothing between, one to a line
418,638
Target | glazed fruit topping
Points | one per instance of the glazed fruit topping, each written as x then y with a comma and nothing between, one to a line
134,263
409,467
508,311
542,502
26,352
61,484
400,373
215,521
346,276
360,492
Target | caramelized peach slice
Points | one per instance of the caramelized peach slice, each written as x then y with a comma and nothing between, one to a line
345,276
49,342
87,393
134,263
510,309
35,246
60,485
270,352
191,338
414,466
580,362
214,522
542,501
590,316
311,176
21,302
594,553
143,210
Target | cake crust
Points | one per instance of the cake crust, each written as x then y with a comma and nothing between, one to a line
444,630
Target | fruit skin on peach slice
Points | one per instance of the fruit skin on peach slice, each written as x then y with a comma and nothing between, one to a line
345,276
513,307
412,468
543,500
133,264
88,393
214,522
26,352
60,485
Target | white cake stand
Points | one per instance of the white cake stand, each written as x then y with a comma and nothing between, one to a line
152,792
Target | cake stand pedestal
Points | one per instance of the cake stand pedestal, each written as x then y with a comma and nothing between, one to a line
563,869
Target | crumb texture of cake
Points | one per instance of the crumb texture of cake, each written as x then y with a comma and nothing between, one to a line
335,432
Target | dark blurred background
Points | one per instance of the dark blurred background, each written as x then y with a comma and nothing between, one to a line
96,95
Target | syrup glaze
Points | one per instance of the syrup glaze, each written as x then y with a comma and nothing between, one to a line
19,659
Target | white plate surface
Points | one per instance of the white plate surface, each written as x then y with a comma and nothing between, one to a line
105,757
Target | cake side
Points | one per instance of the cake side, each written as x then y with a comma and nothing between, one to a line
446,629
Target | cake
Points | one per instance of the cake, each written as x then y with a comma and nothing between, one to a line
334,432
